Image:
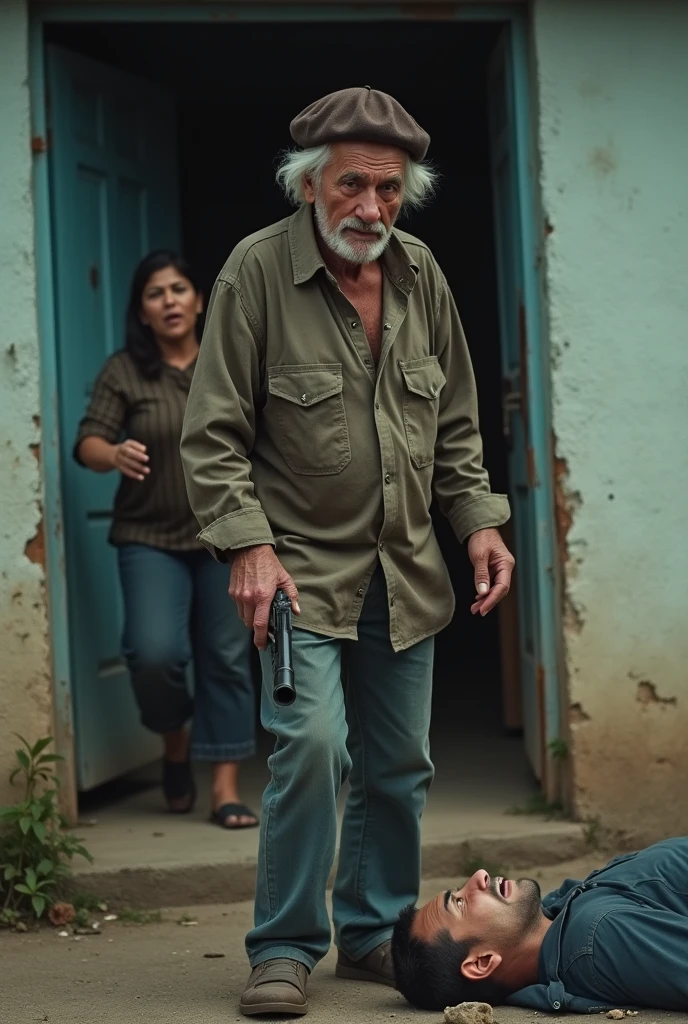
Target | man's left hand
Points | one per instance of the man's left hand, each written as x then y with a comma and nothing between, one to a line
493,564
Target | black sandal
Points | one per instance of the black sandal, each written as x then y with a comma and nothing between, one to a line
177,783
219,817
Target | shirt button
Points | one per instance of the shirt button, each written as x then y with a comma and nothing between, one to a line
382,546
556,1004
361,592
388,478
377,405
388,327
304,398
402,280
354,323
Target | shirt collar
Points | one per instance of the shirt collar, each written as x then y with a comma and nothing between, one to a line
306,258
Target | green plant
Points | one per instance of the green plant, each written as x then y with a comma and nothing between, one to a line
36,848
87,901
82,918
559,749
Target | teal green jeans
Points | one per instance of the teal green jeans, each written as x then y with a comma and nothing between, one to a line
361,712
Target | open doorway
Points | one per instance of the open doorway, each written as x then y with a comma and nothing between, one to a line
235,89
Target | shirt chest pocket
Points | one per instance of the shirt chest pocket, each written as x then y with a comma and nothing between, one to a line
311,429
422,384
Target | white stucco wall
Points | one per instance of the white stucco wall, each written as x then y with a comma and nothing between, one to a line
613,83
25,684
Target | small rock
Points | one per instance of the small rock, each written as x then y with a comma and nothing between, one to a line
20,927
213,956
469,1013
188,924
616,1015
63,935
110,917
87,931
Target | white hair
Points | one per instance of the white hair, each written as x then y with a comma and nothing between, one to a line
420,179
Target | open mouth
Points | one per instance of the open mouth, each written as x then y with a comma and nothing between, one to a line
173,318
503,887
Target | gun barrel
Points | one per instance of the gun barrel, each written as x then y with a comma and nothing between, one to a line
284,690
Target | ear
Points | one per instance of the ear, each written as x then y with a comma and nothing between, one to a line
308,189
199,303
477,967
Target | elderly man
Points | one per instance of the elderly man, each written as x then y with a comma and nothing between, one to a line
618,939
333,397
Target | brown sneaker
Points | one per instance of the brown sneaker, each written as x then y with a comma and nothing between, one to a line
376,966
276,986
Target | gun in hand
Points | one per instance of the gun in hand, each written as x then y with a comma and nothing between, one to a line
279,632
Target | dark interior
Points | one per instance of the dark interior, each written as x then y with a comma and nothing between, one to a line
237,87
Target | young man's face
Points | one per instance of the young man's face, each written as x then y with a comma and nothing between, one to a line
495,912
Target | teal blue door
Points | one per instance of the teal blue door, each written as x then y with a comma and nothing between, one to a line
523,400
114,198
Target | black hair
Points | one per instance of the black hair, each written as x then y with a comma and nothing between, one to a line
429,975
140,342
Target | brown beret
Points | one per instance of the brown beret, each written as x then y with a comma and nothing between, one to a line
361,114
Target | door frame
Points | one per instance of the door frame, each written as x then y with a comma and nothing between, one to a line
516,16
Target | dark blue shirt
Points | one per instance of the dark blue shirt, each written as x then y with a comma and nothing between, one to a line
618,939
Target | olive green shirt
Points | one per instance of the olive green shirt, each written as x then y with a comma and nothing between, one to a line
293,437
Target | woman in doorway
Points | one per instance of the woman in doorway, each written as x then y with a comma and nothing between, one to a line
175,594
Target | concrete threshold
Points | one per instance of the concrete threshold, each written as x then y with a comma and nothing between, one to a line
232,880
144,857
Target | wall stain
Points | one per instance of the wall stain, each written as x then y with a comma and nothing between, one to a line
646,694
577,714
603,160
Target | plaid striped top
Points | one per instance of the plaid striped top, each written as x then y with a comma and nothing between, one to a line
125,403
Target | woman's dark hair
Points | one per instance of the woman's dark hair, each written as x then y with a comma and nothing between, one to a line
140,341
429,974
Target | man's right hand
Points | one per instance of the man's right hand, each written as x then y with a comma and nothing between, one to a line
257,574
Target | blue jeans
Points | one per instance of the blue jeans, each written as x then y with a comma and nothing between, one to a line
386,699
176,608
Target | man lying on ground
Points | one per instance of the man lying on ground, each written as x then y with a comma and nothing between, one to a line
618,939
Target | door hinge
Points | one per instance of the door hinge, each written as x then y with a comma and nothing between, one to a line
39,145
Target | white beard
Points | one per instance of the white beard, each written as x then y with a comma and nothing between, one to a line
334,238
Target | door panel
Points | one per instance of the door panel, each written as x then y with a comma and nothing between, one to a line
517,427
114,198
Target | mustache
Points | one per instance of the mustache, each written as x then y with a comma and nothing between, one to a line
360,225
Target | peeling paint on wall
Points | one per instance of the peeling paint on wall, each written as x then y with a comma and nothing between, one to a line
25,682
617,312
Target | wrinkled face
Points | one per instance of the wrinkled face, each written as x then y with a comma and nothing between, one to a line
497,912
358,199
170,305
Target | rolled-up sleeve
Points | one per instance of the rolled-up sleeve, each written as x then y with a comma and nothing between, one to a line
219,427
461,483
107,410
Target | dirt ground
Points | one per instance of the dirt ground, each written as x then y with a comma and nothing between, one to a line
190,967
